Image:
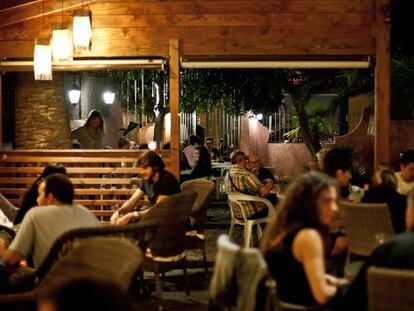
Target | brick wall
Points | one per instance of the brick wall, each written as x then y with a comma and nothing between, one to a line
41,119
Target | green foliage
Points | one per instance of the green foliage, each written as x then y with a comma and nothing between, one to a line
235,90
402,91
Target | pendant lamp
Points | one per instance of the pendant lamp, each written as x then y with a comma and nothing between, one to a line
42,60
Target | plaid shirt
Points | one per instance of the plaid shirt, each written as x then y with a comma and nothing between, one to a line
248,183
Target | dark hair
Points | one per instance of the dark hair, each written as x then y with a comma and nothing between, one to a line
204,155
337,159
194,140
60,187
299,209
87,294
407,157
236,156
122,142
93,114
151,159
388,178
29,198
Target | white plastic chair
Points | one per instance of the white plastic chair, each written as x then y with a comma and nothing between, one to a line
237,198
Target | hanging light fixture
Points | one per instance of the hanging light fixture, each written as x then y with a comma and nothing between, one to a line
62,49
82,30
42,60
74,93
109,97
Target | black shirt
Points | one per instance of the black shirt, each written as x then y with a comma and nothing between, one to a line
289,274
397,204
201,169
167,184
264,173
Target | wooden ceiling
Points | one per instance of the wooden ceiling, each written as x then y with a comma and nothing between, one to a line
129,28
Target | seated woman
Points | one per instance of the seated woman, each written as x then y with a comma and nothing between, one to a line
293,243
384,190
29,198
156,184
202,167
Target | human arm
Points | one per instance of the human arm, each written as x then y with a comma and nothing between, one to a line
308,250
130,204
12,258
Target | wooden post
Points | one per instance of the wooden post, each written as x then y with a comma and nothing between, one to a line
175,106
1,111
382,83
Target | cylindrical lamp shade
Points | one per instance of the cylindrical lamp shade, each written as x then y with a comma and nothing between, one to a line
62,49
74,95
109,97
42,61
82,32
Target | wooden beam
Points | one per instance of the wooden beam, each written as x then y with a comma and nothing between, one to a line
382,83
175,106
1,110
35,10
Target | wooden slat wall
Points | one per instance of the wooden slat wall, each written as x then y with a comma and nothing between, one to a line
208,27
102,179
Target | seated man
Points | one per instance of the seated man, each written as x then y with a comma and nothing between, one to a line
338,164
156,184
214,153
264,175
42,225
239,179
405,176
396,253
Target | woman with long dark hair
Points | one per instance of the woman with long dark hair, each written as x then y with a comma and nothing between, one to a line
293,244
91,134
29,198
202,167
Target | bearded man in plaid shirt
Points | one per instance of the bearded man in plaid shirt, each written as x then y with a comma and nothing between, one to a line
241,180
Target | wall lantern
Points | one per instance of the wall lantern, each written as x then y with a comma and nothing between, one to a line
109,97
152,145
74,94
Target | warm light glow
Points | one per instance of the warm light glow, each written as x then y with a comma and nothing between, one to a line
62,45
42,61
82,32
152,145
74,95
259,116
109,97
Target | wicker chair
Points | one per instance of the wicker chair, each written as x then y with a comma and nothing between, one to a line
390,289
363,223
235,200
166,250
195,238
95,258
139,234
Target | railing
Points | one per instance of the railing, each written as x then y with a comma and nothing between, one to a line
102,179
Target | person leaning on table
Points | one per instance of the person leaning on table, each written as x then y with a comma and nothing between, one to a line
156,184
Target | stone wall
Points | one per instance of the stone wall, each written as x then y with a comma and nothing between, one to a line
41,119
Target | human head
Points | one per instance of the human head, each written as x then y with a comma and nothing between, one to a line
56,189
52,169
407,166
209,142
337,163
195,140
95,120
310,202
124,143
238,157
201,154
150,163
84,295
409,214
385,176
254,161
